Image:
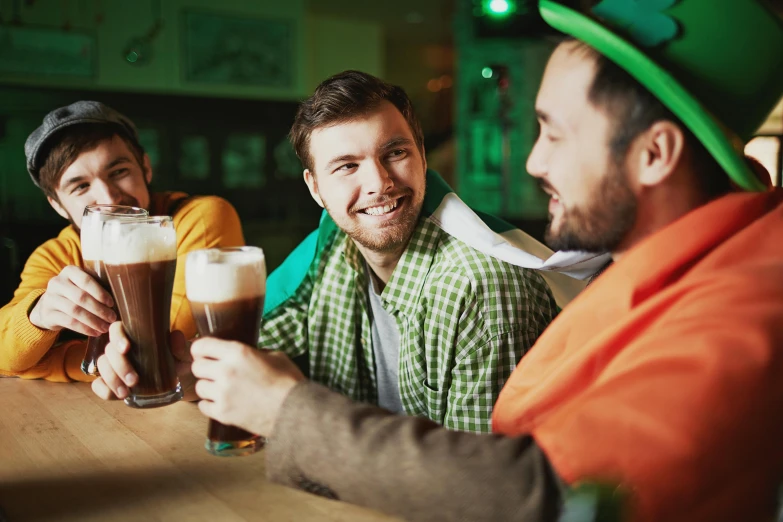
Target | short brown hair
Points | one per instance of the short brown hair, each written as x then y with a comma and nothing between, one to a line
343,97
63,149
634,109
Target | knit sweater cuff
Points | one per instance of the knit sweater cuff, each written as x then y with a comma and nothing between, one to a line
26,333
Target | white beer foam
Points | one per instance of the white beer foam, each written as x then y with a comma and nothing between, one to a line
230,277
91,229
138,243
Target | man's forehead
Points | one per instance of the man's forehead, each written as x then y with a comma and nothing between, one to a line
371,129
567,79
570,66
110,147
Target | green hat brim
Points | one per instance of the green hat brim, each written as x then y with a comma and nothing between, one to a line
720,142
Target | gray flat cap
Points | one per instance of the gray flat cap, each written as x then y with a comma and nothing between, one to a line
58,119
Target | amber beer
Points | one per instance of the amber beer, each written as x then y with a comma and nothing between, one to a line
92,256
226,289
141,258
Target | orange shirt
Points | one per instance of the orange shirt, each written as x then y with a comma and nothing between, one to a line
32,353
666,374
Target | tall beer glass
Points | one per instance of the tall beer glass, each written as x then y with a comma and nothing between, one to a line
226,289
92,256
141,258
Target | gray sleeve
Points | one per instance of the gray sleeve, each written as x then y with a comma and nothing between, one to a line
407,466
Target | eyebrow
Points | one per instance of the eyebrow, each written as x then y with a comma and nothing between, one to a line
79,179
116,161
72,181
545,118
340,159
398,141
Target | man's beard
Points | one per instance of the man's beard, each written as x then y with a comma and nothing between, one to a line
388,238
606,221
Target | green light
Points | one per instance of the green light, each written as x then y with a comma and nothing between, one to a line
486,72
132,56
499,8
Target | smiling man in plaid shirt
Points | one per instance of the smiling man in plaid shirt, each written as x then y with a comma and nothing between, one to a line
394,310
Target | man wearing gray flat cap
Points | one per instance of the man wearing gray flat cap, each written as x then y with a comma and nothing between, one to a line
85,154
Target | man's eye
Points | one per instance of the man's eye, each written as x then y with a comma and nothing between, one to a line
347,166
119,172
81,187
397,153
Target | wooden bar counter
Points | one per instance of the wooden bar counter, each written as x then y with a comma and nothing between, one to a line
66,455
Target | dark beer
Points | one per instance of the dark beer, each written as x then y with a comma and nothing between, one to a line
143,295
96,345
226,289
237,320
141,259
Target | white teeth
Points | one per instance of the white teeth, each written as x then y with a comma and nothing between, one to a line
383,209
555,198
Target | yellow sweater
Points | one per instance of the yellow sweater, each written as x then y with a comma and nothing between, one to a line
32,353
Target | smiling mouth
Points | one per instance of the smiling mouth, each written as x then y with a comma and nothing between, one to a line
552,194
380,210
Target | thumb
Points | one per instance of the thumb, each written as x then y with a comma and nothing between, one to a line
180,348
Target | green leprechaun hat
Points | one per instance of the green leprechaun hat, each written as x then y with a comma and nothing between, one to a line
716,64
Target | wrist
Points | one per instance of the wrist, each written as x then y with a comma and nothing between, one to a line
34,314
283,392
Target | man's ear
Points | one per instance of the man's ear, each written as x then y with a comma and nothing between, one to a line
57,207
147,165
660,152
309,178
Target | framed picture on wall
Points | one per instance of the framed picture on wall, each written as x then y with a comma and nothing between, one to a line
237,50
194,157
243,159
46,51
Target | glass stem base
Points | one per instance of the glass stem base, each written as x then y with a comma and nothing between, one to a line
235,448
90,368
155,401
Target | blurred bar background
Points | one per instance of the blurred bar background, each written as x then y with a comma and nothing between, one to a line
213,88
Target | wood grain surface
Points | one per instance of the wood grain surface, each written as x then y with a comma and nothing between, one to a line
66,455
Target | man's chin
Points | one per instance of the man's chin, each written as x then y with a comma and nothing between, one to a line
75,224
552,234
379,241
569,240
562,240
387,237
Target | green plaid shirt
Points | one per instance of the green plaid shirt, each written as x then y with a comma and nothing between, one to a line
465,319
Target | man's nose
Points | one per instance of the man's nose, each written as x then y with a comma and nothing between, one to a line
535,165
107,193
376,179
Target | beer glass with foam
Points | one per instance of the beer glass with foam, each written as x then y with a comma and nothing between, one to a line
141,258
226,289
92,256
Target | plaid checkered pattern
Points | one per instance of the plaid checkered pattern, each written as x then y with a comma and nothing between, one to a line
465,320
